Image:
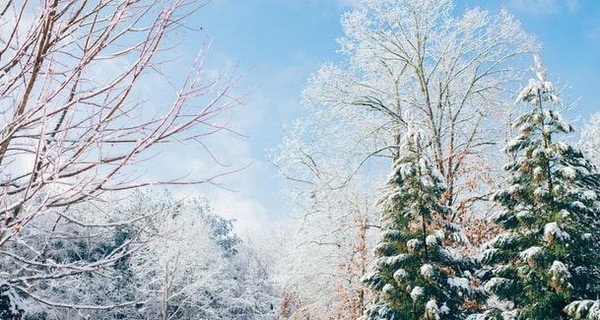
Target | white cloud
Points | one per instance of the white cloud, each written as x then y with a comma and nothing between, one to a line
572,5
250,215
593,34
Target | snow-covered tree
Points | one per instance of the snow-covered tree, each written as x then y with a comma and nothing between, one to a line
583,309
72,263
590,139
547,255
417,273
193,267
175,259
451,72
78,118
321,258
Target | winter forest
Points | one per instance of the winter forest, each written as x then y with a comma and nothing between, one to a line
436,170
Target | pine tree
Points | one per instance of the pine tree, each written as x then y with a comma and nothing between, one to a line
417,275
546,256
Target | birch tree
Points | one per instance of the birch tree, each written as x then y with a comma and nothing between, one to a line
77,116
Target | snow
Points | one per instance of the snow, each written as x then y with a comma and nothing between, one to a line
460,237
584,309
540,192
553,232
444,309
452,254
569,173
390,234
431,240
416,293
538,88
538,68
438,177
538,172
494,282
559,269
460,283
562,123
383,247
405,172
400,274
439,234
388,288
369,276
564,213
500,240
510,315
530,253
560,277
487,254
413,244
426,182
589,195
431,310
524,214
427,271
562,147
578,205
423,165
515,188
494,305
388,261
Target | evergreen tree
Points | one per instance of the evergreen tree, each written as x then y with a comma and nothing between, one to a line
416,274
546,256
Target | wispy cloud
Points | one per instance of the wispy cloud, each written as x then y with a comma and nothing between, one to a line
348,3
544,7
593,34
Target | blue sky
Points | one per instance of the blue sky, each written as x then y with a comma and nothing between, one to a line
276,44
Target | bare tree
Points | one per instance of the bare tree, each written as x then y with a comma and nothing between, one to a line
182,271
454,75
76,118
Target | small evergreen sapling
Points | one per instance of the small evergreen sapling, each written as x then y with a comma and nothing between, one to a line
417,275
547,255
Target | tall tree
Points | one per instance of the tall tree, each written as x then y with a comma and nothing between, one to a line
417,274
547,255
77,115
454,74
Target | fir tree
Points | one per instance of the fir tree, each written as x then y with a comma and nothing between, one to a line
416,274
546,256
